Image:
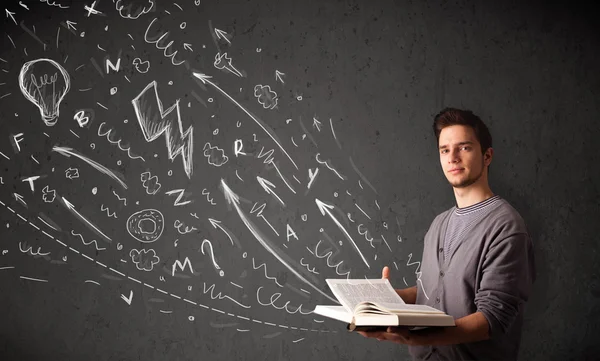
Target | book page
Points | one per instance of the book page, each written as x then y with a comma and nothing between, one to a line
351,292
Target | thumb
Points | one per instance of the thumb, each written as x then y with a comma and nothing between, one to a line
385,273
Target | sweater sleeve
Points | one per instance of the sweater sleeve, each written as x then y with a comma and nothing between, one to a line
508,275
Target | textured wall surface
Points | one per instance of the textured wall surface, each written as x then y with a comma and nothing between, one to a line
178,179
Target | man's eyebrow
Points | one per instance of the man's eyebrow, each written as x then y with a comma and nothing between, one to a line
457,144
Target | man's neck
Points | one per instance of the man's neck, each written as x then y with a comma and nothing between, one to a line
472,195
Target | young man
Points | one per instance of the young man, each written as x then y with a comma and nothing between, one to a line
478,262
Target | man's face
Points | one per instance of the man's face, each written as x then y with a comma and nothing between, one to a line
460,156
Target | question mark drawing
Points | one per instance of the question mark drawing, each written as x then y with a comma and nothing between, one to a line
212,255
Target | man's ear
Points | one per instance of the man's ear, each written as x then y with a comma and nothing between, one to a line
488,155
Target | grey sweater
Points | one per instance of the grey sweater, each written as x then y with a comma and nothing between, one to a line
490,268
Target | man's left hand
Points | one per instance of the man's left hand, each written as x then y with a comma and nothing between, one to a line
396,334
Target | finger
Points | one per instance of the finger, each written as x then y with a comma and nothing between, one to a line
385,273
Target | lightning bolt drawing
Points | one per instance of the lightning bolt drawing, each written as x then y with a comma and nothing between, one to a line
155,121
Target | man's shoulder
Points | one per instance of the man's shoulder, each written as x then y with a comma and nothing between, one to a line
505,216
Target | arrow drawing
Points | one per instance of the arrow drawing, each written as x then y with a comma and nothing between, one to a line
155,121
317,124
71,25
206,79
234,200
187,46
278,76
217,224
326,208
222,35
67,152
19,198
268,187
128,299
71,208
10,13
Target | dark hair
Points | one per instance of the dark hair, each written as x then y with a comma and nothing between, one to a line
453,116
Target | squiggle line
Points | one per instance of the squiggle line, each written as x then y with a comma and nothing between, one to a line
121,199
328,255
267,277
88,243
113,215
248,319
207,194
30,251
274,297
118,142
328,166
306,265
220,296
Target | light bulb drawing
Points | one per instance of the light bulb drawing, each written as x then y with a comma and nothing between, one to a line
41,84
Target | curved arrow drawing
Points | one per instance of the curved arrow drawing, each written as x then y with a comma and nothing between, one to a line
217,224
326,208
234,199
206,79
268,187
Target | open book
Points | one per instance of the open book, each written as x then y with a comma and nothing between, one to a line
371,303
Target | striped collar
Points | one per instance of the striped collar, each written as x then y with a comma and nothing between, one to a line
477,206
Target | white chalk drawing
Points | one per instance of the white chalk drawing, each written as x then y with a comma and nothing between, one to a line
123,199
327,255
361,175
32,279
180,193
53,3
279,76
222,35
82,118
128,299
48,195
326,209
238,147
127,12
91,10
269,188
163,48
307,266
108,134
365,232
19,198
31,180
238,176
141,66
29,250
258,210
217,224
144,259
45,92
264,265
363,212
181,266
48,222
311,176
72,173
87,243
150,183
265,96
317,124
108,213
223,62
274,297
67,152
179,225
215,155
212,256
342,177
155,121
205,79
146,225
290,233
220,296
206,193
234,200
183,299
93,227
